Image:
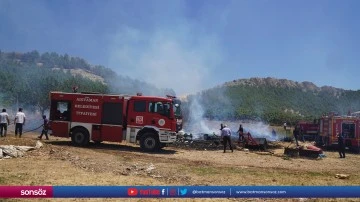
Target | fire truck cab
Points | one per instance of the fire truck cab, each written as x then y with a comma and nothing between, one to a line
332,125
153,122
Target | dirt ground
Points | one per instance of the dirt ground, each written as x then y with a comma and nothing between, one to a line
60,163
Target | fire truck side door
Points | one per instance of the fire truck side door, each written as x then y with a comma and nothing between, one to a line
137,113
112,120
60,128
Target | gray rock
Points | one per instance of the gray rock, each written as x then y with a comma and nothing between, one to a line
342,176
1,154
9,150
24,148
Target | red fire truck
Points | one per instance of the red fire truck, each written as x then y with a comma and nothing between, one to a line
331,125
152,122
309,130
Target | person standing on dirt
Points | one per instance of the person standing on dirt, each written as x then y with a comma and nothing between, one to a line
45,128
4,122
226,135
241,133
296,134
341,145
19,122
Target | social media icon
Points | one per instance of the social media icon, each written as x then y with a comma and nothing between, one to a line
163,192
132,192
183,192
173,192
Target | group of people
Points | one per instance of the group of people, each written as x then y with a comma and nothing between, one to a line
19,122
226,136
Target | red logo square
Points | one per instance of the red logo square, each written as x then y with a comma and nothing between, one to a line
132,192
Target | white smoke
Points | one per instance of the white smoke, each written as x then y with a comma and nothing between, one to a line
260,130
197,122
172,58
257,129
178,57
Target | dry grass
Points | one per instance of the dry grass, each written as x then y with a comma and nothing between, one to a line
59,163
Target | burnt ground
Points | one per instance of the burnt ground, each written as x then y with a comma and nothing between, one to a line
60,163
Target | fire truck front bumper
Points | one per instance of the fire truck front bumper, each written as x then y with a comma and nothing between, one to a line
167,137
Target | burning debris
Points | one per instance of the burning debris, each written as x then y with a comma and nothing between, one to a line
199,141
212,141
202,130
249,142
306,150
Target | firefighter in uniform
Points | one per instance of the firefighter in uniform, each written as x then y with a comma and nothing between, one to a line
241,133
296,134
45,128
341,145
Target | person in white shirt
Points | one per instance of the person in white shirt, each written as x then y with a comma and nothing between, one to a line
19,122
4,122
226,135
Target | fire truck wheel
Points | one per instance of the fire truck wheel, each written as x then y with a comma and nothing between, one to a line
149,142
80,137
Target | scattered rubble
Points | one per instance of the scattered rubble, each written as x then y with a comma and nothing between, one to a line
150,168
38,145
156,176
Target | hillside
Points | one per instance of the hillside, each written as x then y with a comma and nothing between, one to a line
305,86
274,100
27,78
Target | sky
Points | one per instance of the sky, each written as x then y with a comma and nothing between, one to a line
191,45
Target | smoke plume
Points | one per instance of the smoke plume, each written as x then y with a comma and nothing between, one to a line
168,58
